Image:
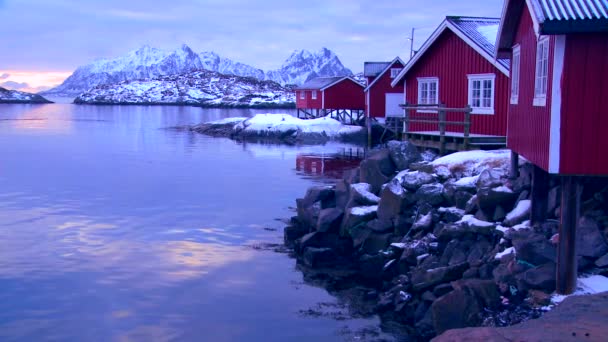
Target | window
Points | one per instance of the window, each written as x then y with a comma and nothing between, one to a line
428,90
302,95
481,93
542,72
314,94
395,72
515,67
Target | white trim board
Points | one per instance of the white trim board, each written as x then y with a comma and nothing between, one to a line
556,104
340,80
446,25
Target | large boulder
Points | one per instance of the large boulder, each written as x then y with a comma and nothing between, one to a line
490,178
457,309
383,159
485,291
393,200
372,174
403,153
541,277
590,242
317,257
329,220
342,194
413,180
308,213
535,249
375,242
361,194
431,194
317,193
357,216
489,198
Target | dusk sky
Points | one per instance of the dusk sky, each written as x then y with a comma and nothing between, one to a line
43,41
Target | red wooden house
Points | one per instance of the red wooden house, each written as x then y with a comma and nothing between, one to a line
326,95
558,108
559,87
381,99
457,68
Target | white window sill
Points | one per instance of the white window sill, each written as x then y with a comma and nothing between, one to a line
483,111
514,100
426,111
539,101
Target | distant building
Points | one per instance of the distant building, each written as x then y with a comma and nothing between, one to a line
456,67
558,112
381,99
341,97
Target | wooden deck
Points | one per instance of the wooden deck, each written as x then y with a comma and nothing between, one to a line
455,141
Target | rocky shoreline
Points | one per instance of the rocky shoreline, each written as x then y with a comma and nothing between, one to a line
237,129
441,244
287,105
19,97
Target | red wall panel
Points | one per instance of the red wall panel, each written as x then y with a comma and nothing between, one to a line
377,93
584,110
451,59
528,125
308,102
345,95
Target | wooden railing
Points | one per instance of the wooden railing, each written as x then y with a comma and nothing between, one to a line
440,110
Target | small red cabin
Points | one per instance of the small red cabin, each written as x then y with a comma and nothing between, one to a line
381,99
558,111
456,67
331,93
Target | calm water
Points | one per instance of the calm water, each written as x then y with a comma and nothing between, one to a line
113,229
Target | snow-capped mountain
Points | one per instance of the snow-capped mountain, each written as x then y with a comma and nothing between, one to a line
150,63
202,88
146,62
304,65
212,61
14,96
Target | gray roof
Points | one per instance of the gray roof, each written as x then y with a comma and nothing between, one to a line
373,69
573,9
321,82
482,31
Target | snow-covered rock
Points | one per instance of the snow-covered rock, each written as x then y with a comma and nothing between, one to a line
519,213
282,123
472,163
204,88
14,96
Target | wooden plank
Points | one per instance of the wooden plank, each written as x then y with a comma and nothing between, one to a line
566,250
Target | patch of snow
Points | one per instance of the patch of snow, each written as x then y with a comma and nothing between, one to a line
227,121
364,190
523,225
503,189
508,251
472,163
399,245
396,188
502,229
519,210
285,122
489,32
472,221
363,211
585,286
467,181
388,264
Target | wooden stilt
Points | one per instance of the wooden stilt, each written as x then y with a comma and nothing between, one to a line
540,189
566,251
514,166
369,131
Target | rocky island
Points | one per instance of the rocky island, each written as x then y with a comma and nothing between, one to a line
14,96
443,243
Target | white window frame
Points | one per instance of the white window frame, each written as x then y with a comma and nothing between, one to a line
482,78
428,81
541,74
515,74
303,95
314,94
395,72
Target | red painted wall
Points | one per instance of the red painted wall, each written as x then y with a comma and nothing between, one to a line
451,59
528,125
377,106
308,102
584,110
345,95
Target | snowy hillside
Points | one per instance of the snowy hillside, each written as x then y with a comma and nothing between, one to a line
146,62
14,96
212,61
304,65
202,88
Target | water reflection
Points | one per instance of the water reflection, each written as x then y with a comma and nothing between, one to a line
329,165
115,229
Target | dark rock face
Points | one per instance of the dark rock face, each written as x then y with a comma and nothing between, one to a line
590,242
393,200
457,309
541,277
329,220
371,173
423,279
412,181
315,257
535,250
403,154
431,194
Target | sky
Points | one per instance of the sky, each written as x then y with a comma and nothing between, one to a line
43,41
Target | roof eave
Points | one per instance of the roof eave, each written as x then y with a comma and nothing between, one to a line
388,67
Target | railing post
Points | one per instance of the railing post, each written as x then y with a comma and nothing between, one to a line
406,121
442,118
467,126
